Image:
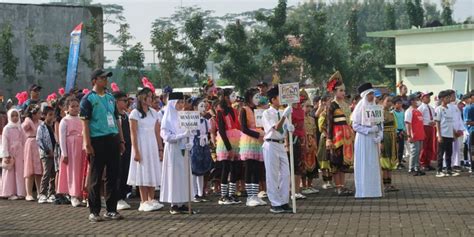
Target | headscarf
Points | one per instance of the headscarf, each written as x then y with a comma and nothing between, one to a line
360,108
11,124
170,119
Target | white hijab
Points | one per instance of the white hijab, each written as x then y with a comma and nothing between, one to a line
360,108
170,119
11,124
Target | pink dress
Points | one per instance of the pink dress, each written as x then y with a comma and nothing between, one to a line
13,179
71,174
33,164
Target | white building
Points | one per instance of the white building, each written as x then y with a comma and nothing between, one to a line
435,58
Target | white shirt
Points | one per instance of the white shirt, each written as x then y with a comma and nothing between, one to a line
425,110
445,117
270,121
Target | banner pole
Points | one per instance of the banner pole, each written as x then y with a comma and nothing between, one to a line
188,161
292,167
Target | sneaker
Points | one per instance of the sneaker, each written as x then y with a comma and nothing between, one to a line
261,202
174,210
30,198
42,199
14,197
146,207
286,208
252,201
156,204
203,199
452,174
122,205
75,202
440,174
313,190
306,191
327,186
224,201
276,210
234,200
299,196
113,216
185,210
197,199
262,194
94,218
51,198
421,173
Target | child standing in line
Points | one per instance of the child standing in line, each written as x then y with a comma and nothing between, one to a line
251,147
309,162
175,181
415,133
47,142
277,167
201,161
389,159
13,181
71,142
145,168
33,169
444,118
227,148
399,116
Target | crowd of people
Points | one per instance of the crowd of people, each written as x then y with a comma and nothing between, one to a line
100,147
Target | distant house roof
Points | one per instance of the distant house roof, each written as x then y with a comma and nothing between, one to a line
428,30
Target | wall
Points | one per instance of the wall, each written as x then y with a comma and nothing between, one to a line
52,24
432,48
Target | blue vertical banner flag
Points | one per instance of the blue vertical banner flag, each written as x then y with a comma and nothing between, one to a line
73,59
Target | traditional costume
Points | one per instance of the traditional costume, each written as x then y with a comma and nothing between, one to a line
368,136
174,181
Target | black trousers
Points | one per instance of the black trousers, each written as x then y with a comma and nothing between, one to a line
124,166
229,167
106,156
445,148
252,172
401,145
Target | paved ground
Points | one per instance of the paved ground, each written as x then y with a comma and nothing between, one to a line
425,206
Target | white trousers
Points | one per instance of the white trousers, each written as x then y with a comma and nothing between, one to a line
198,185
277,169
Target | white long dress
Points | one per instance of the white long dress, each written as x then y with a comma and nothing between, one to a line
174,186
366,163
147,172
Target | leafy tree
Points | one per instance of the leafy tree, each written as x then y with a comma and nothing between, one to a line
131,60
415,12
7,59
198,45
39,52
61,56
239,66
165,41
447,14
275,37
354,42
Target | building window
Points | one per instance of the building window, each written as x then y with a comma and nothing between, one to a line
460,80
412,72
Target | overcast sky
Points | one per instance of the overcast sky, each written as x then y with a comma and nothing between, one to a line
141,13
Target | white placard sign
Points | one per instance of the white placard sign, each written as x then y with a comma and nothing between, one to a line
373,114
289,93
189,119
258,117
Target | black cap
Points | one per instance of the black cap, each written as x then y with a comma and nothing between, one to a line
35,87
262,83
99,72
176,96
364,87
